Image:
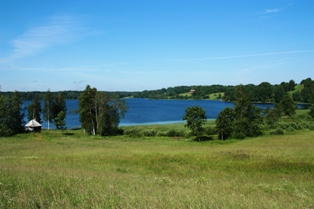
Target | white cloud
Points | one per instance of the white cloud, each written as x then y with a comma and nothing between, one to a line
57,30
246,55
268,11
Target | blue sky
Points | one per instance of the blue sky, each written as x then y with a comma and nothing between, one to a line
122,45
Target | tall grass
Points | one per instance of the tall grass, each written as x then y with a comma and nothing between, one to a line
55,170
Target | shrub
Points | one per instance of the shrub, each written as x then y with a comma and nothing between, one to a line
305,124
149,132
132,132
173,133
295,126
277,131
211,131
239,135
161,133
283,125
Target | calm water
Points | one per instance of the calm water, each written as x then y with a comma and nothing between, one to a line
144,111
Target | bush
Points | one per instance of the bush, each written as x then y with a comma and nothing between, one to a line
211,131
305,124
239,135
161,133
173,133
295,126
283,125
150,132
277,131
132,132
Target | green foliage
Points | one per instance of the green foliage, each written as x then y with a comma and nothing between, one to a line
211,131
11,115
224,123
48,107
87,110
134,132
174,133
264,92
195,117
311,113
60,121
247,117
53,105
272,116
100,113
34,110
287,105
277,131
168,130
279,93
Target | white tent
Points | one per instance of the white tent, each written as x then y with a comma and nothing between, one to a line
33,125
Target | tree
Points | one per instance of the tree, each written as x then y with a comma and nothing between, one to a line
272,116
247,117
87,109
279,93
224,123
195,117
59,104
17,113
287,106
34,109
109,111
296,96
48,111
100,113
264,92
11,115
311,113
60,121
292,84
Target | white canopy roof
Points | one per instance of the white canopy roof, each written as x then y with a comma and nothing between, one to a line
33,123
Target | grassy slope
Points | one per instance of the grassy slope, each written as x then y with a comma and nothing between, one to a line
52,170
212,96
297,88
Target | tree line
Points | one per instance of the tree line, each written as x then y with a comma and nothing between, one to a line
99,112
66,94
263,92
244,119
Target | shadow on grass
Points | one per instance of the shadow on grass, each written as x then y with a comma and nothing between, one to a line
203,138
68,134
75,129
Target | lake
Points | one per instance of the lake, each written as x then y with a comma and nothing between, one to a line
145,111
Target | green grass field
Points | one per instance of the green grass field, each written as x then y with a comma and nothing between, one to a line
52,169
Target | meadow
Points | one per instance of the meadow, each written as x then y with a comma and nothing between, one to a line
55,169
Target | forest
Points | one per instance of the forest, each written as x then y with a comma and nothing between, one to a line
263,92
